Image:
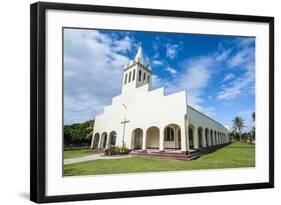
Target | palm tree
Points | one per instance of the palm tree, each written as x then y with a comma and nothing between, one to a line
238,125
253,128
90,129
253,116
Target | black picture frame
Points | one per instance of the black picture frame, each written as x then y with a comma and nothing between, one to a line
38,101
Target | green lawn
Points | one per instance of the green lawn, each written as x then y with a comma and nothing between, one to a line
68,154
232,156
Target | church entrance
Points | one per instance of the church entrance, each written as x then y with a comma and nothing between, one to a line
112,138
96,141
153,138
103,140
137,139
191,137
172,137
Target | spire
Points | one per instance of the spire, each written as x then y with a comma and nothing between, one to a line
139,56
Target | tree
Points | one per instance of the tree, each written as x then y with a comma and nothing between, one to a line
238,125
253,116
253,131
79,134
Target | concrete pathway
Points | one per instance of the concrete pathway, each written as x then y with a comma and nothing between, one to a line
92,157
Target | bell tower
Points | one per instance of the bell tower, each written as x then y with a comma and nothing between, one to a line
136,73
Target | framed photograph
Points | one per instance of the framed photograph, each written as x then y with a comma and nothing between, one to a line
129,102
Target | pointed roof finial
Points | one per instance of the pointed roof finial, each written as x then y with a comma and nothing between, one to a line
139,56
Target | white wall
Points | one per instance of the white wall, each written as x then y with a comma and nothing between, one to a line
144,109
14,109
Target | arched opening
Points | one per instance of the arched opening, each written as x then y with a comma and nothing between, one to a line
207,136
137,136
112,138
191,136
129,77
172,137
139,75
103,140
152,138
212,137
96,141
200,137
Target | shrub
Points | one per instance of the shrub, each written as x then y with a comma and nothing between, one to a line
116,150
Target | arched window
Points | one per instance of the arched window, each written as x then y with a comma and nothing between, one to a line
130,76
133,75
169,134
143,76
148,78
126,78
140,75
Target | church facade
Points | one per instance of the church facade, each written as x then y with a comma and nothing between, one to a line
141,118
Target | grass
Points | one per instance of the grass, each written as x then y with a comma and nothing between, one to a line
232,156
68,154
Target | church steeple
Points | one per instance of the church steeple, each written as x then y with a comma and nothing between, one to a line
139,56
137,72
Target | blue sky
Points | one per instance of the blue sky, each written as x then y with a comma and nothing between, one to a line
218,72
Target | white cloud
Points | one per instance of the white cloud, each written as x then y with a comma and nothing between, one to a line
123,45
157,81
157,62
228,77
237,87
244,61
91,58
222,56
171,51
172,71
194,78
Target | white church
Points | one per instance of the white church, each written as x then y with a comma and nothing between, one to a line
144,119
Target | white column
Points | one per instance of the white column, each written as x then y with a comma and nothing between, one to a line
144,137
161,139
196,138
132,139
183,139
187,139
107,142
100,141
204,138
